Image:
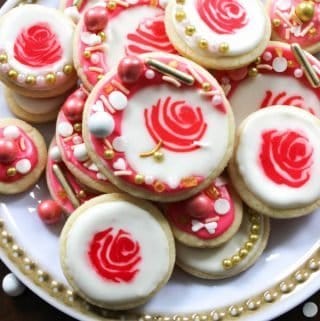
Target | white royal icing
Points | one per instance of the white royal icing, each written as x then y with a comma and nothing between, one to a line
240,42
281,119
174,166
209,261
142,227
250,93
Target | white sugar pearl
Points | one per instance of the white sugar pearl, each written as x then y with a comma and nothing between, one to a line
150,74
163,3
41,81
298,73
94,59
11,132
118,100
280,64
23,166
119,144
310,310
72,13
77,140
21,78
216,100
101,124
80,152
222,206
267,56
4,67
12,286
55,154
65,129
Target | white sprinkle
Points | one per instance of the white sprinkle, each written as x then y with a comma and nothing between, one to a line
12,286
222,206
267,56
55,154
23,166
310,310
80,152
119,144
65,129
21,78
101,124
11,132
298,73
149,74
118,100
280,64
119,164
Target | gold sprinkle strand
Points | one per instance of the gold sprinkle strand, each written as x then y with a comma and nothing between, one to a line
169,71
308,70
66,186
150,153
77,3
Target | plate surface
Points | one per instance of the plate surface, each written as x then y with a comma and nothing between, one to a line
271,287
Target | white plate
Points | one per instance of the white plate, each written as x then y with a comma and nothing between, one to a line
294,246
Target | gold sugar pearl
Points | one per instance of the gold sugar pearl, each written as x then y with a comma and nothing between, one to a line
223,48
12,74
305,10
254,218
255,229
180,1
3,58
87,54
102,35
158,156
206,86
77,127
67,69
276,22
253,72
243,253
50,78
258,61
111,5
248,246
203,44
30,80
139,179
180,15
235,259
227,264
82,194
190,30
253,237
108,154
100,77
313,31
11,171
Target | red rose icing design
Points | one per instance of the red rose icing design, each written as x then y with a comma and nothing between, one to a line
37,46
115,257
149,36
222,16
286,157
176,124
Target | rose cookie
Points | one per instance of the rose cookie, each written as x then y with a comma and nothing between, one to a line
276,162
34,110
276,78
64,188
231,258
23,156
219,34
144,122
105,34
35,51
117,251
208,219
296,21
73,150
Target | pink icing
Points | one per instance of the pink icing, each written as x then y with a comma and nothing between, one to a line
295,34
59,194
177,215
99,144
26,150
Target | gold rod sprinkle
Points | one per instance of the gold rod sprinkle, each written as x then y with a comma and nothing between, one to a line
66,186
169,71
150,153
77,3
306,66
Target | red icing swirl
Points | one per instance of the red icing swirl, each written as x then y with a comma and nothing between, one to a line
37,46
222,16
149,36
115,257
286,157
176,124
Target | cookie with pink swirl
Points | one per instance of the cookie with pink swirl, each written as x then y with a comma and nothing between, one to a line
159,132
107,251
276,162
218,34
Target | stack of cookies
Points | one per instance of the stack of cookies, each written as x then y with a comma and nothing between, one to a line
189,129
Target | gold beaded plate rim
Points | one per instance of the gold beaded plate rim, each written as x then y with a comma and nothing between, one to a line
62,297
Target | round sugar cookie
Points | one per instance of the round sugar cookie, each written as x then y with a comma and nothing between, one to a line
218,34
73,150
209,218
35,51
158,137
66,191
276,161
123,28
296,21
231,258
23,156
117,251
34,110
275,78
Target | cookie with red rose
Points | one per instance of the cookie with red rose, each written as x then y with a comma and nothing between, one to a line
109,31
207,219
221,34
276,161
23,156
117,251
159,132
36,55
